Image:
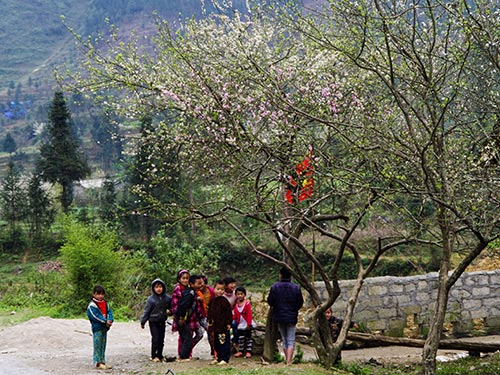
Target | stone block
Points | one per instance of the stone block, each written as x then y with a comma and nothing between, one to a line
483,291
377,290
396,328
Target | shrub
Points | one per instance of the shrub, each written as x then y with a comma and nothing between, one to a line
90,257
171,254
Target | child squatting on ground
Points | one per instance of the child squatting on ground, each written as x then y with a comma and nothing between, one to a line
101,319
242,316
156,312
219,319
335,325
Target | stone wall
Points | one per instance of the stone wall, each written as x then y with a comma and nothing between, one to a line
402,306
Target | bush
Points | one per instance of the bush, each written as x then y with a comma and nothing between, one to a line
90,256
171,254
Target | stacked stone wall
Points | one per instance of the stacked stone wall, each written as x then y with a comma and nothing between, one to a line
402,306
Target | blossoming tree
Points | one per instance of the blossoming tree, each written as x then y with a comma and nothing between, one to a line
284,131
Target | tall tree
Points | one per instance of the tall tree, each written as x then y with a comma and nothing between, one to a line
13,202
424,68
108,206
245,100
41,212
313,126
9,144
61,160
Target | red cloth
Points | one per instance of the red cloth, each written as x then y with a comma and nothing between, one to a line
246,313
102,306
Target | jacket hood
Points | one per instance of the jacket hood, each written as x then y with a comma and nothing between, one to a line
156,281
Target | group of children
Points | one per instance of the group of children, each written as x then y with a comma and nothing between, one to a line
196,307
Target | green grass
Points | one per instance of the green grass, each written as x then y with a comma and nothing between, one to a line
303,370
13,316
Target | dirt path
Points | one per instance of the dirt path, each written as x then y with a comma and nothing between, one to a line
64,347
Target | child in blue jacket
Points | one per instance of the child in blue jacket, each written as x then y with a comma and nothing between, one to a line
101,319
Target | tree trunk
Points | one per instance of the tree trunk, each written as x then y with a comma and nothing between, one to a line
432,342
270,338
454,344
380,340
66,195
437,319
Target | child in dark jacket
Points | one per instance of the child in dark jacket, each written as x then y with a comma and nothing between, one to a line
187,316
335,325
156,312
101,319
219,323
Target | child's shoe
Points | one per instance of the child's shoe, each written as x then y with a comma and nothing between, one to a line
248,355
214,362
222,363
238,354
103,366
156,359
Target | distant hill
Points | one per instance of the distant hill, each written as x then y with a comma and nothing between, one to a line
34,41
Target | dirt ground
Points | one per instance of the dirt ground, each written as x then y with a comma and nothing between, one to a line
64,347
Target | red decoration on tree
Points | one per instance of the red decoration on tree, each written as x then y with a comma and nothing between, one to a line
302,187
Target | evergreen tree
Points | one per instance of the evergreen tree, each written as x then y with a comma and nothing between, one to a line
13,204
61,160
104,133
41,213
108,209
9,144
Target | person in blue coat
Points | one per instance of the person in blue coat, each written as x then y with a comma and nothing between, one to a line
101,320
285,297
156,312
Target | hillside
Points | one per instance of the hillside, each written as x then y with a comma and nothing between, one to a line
35,41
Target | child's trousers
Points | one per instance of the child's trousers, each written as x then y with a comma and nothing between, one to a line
157,330
186,336
99,340
222,344
245,340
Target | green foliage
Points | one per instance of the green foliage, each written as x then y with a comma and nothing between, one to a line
9,144
13,197
107,207
13,240
172,254
41,213
90,256
299,355
61,160
278,357
356,369
32,286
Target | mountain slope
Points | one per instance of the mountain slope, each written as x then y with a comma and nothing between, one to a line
32,36
34,39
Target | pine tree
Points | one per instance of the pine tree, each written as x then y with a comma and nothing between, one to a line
61,160
13,197
40,211
9,144
108,208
